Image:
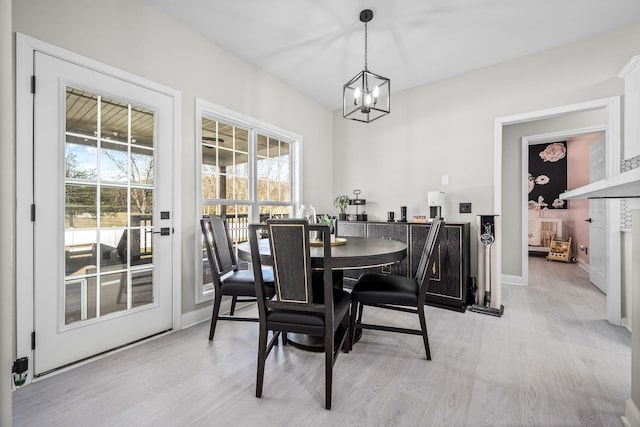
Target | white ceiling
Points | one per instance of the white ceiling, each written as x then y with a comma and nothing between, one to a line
318,45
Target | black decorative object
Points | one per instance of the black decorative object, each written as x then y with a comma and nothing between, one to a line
403,214
358,202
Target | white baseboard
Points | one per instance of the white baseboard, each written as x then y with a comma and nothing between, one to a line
631,416
508,279
583,265
192,318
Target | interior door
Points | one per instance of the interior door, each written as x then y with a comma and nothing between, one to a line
597,214
102,193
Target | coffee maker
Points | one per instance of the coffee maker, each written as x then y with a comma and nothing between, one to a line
435,201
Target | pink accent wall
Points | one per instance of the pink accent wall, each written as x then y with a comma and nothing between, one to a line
577,176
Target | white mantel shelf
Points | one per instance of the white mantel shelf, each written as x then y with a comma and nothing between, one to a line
622,186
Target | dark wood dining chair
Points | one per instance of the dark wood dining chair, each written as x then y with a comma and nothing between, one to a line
294,308
398,292
228,280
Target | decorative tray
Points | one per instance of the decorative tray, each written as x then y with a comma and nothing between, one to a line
337,242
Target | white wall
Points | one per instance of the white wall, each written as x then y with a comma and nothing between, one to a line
447,127
138,38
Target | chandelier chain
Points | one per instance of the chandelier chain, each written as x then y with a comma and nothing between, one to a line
365,47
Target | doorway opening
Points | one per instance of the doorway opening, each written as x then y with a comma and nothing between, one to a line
580,223
507,179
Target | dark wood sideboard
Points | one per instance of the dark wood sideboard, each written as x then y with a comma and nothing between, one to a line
449,286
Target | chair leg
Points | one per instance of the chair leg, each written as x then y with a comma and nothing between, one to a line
262,355
423,327
352,323
285,339
350,332
217,301
232,310
328,367
359,310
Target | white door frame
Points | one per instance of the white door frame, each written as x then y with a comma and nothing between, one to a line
25,46
612,131
541,139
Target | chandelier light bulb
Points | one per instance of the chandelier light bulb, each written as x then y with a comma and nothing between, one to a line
367,99
356,96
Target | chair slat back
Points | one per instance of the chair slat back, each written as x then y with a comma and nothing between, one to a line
255,233
209,244
429,255
290,254
290,249
223,248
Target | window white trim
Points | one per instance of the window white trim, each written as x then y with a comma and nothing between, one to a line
254,126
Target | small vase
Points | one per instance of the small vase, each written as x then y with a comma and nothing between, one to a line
308,213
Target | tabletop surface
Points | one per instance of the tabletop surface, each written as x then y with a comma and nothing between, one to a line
358,252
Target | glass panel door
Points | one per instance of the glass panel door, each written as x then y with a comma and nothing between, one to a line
103,273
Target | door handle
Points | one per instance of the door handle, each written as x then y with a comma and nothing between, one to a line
164,231
589,220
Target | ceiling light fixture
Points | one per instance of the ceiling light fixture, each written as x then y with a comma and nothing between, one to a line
366,97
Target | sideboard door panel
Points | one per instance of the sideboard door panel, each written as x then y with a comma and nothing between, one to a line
351,229
449,276
354,229
392,231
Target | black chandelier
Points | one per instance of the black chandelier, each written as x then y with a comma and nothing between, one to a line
366,97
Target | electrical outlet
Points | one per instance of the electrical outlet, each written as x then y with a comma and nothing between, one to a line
465,207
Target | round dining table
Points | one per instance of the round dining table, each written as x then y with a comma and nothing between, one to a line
350,253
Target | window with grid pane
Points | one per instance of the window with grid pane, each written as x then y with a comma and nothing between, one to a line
246,175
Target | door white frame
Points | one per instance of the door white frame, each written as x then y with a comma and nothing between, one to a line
612,130
25,46
540,139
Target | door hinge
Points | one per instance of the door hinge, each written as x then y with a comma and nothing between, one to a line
33,84
33,212
33,340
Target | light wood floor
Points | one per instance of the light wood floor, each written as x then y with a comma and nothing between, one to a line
551,360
